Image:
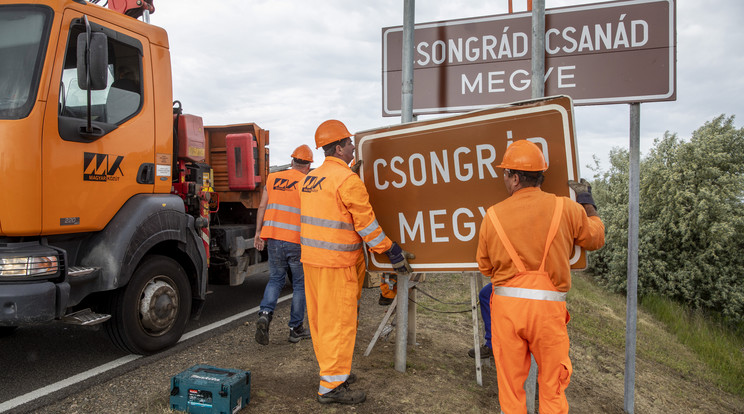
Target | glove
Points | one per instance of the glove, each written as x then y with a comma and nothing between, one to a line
397,257
583,191
356,166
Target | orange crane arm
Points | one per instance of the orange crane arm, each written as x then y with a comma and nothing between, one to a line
132,8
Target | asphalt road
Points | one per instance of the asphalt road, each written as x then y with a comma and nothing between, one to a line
35,357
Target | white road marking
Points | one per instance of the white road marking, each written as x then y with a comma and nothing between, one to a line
59,385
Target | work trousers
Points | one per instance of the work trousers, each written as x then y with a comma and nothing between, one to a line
484,298
332,296
520,326
285,255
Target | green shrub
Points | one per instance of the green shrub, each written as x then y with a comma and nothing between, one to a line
691,220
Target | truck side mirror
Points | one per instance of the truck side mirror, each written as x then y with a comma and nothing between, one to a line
97,55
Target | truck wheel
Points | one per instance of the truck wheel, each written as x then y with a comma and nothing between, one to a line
150,313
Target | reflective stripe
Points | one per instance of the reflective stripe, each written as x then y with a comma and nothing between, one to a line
377,240
331,224
334,378
330,246
330,378
282,207
369,229
535,294
280,225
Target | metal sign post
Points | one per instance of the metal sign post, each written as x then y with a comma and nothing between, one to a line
402,327
633,230
407,61
538,91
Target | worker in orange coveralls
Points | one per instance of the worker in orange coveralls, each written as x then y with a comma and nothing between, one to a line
525,244
336,221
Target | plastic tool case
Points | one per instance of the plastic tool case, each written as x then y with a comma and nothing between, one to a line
210,390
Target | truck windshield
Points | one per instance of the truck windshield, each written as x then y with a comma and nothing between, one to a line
24,32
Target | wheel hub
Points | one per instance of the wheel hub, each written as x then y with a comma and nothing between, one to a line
158,307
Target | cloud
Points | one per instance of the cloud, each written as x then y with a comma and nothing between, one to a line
288,65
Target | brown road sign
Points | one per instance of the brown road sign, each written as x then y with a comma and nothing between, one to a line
601,53
431,182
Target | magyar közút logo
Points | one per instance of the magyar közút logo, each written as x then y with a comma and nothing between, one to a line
102,167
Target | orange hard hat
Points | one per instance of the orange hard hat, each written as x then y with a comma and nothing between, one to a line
523,155
330,131
303,152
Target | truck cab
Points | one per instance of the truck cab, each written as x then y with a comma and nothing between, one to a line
103,220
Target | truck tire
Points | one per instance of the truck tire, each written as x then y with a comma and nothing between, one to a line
149,314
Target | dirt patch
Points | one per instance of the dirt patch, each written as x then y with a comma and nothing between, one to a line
440,376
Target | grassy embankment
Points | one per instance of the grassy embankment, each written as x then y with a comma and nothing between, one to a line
667,333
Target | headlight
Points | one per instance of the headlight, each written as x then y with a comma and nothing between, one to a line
29,266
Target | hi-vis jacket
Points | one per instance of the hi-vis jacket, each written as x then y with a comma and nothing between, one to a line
337,218
282,217
517,213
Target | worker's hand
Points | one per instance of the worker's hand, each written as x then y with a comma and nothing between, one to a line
398,258
357,165
259,243
583,191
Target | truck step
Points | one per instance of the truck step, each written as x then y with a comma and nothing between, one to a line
85,317
77,271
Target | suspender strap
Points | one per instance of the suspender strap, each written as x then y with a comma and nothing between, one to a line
553,229
510,248
505,240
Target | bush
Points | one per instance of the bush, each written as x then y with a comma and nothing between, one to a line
691,219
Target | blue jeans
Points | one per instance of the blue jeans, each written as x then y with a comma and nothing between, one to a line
285,255
485,305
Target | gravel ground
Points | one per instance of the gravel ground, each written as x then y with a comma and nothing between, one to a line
440,377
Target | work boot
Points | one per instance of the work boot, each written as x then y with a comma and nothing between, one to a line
385,301
298,333
262,328
352,378
343,395
485,352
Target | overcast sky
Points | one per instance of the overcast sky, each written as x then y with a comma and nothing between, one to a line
288,65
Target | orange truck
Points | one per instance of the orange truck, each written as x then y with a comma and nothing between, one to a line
116,207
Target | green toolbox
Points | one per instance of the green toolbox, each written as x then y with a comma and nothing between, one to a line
205,389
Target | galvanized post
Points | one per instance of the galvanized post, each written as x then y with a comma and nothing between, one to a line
401,328
412,312
407,86
474,293
634,190
401,333
538,49
538,91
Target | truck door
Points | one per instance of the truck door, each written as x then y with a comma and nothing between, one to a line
88,177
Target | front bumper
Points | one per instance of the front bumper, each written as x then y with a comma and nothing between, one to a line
23,304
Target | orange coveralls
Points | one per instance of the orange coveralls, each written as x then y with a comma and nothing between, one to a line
528,309
337,220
